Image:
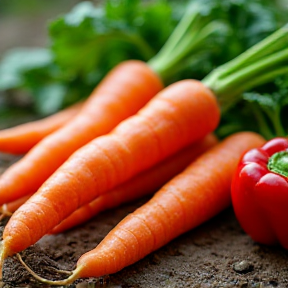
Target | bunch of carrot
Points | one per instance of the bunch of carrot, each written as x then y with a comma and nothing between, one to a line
116,144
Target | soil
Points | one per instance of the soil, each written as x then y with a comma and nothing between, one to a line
216,254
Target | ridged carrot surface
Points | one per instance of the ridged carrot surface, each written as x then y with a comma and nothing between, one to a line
142,184
180,114
21,138
198,193
127,88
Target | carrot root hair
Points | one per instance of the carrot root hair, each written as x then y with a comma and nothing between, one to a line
73,275
4,212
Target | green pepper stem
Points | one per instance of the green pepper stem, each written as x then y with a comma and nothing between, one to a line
278,163
258,65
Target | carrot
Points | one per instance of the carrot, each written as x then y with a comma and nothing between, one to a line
20,139
197,194
142,184
127,88
180,114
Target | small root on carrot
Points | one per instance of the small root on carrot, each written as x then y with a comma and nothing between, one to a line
61,271
4,212
73,275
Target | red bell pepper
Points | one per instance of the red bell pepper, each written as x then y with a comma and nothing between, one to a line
260,192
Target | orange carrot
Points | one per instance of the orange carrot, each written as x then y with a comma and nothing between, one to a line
20,139
180,114
127,88
142,184
197,194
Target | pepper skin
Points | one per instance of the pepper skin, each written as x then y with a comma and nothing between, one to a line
259,193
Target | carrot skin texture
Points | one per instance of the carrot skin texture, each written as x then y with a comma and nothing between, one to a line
142,184
126,89
198,193
180,114
21,138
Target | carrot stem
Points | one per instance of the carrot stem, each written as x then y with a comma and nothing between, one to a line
250,76
248,72
179,32
190,37
249,84
258,65
270,44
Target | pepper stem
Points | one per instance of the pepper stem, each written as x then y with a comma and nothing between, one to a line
278,163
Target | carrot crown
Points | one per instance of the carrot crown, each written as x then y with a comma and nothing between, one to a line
258,65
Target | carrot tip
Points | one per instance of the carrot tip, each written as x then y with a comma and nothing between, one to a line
73,275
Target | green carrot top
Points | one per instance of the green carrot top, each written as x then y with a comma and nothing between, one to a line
260,64
197,33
